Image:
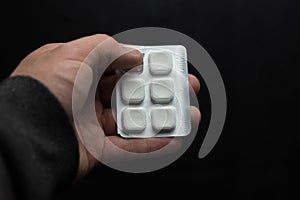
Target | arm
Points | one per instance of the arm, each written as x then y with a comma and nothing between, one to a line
38,147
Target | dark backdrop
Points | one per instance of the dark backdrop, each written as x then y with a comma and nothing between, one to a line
254,44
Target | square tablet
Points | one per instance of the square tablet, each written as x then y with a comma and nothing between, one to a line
163,119
133,120
160,62
162,91
133,91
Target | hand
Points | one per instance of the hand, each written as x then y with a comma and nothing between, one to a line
56,65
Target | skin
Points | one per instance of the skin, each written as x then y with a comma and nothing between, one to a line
56,65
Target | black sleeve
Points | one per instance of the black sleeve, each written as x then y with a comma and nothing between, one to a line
38,148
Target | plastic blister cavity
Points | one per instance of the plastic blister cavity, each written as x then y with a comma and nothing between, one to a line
152,100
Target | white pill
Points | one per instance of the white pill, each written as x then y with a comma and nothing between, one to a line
162,91
133,91
134,120
160,62
163,119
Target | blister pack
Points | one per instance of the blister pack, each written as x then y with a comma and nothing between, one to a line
152,100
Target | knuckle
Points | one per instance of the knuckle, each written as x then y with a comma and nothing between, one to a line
101,36
47,47
68,45
69,48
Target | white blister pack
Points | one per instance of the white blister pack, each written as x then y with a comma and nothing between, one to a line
152,100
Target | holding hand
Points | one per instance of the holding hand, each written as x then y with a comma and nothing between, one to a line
56,66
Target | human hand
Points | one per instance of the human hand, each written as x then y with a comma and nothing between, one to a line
56,66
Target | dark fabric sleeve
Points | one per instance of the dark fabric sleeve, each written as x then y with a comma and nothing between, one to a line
38,148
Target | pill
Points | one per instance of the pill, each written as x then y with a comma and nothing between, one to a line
134,120
162,91
163,119
160,62
133,91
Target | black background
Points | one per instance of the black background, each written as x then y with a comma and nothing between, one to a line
254,44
